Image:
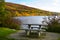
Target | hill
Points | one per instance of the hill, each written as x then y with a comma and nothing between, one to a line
22,10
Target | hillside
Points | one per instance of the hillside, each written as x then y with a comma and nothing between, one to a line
22,10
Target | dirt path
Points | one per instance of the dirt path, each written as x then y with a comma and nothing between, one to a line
21,36
51,36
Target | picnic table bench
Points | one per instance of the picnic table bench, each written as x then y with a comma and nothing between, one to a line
31,28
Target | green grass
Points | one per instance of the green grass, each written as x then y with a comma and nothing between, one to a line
4,32
59,38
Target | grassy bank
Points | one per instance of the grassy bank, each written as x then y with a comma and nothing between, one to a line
4,32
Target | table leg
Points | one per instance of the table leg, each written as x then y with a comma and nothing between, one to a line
39,34
28,32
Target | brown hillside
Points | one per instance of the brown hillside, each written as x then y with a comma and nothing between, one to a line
22,10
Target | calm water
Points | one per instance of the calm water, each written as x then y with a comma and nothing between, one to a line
31,20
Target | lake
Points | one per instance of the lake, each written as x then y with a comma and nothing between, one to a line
31,20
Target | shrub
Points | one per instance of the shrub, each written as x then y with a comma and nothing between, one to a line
53,24
11,23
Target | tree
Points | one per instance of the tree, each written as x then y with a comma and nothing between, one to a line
6,19
53,23
2,10
2,7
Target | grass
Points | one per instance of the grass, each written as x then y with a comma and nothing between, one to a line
4,32
59,38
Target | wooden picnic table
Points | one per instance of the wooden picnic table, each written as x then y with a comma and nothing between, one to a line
30,28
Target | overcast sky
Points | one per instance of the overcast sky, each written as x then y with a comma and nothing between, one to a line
49,5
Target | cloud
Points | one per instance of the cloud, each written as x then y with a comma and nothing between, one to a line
52,5
56,2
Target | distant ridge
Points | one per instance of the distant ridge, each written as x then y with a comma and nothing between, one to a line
22,10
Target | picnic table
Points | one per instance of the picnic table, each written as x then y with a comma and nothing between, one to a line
31,28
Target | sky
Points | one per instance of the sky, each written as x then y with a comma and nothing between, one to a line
49,5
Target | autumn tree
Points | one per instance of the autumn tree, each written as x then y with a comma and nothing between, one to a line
6,20
2,11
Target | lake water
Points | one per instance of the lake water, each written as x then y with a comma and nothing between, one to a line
31,20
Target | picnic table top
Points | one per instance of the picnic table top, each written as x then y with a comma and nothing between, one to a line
38,29
36,24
